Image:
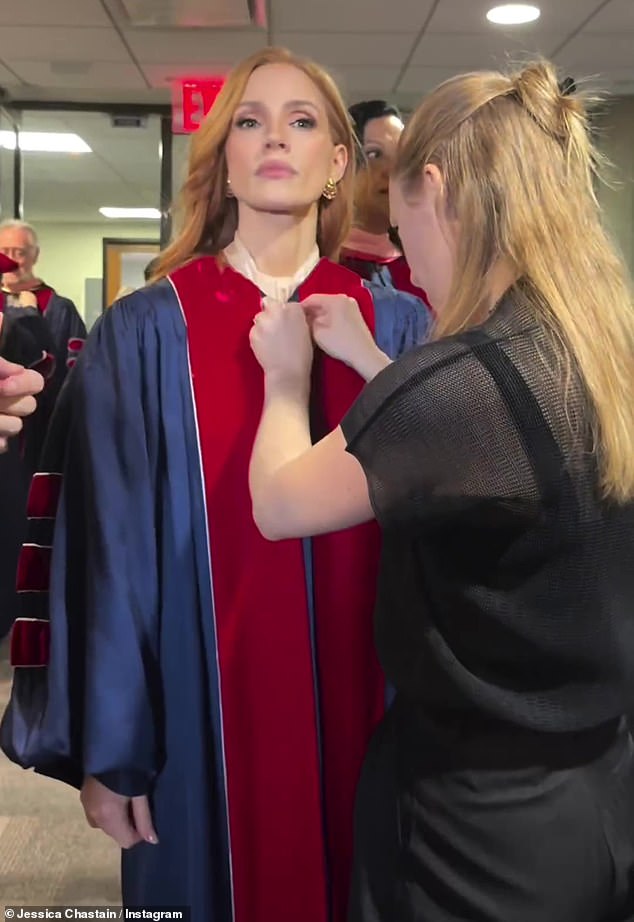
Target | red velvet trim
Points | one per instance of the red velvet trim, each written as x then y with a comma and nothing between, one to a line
43,296
44,496
30,642
34,565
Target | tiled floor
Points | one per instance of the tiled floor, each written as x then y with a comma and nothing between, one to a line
48,854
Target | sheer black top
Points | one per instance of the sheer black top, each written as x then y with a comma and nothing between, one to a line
507,583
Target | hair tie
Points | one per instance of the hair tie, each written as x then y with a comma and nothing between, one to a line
568,86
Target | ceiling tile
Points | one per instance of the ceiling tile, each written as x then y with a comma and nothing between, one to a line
358,83
423,79
470,16
131,94
45,13
406,102
617,16
45,121
386,50
354,16
93,125
7,77
187,13
590,54
163,75
199,47
121,159
466,52
64,168
61,44
99,75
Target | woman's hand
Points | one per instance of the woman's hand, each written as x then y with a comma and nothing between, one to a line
281,341
339,329
127,820
18,387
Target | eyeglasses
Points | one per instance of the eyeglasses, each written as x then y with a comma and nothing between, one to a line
16,252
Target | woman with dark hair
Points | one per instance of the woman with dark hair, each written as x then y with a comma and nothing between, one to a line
372,248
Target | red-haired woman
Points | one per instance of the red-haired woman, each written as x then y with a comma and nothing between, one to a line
210,692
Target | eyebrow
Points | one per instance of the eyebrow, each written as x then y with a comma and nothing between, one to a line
302,104
291,105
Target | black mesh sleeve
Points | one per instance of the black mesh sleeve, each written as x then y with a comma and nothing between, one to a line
434,432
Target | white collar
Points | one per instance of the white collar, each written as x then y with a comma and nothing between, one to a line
278,288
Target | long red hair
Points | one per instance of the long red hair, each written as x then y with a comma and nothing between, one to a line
207,217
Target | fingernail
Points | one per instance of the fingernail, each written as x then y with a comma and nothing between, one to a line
152,839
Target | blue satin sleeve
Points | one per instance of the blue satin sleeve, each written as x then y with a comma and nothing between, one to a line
104,690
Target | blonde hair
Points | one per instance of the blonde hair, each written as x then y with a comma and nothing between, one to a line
518,168
208,217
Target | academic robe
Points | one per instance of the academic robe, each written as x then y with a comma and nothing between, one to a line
67,328
231,678
26,340
48,338
65,323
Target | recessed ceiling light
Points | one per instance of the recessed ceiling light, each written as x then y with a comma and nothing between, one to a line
48,142
513,14
151,214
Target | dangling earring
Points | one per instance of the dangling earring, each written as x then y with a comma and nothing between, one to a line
229,190
330,190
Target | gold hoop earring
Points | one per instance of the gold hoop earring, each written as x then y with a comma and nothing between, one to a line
330,190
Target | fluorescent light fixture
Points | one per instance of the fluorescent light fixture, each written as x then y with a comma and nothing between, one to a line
48,142
141,214
513,14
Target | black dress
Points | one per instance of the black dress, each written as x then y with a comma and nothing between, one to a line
500,785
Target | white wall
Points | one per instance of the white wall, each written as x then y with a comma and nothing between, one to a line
617,142
71,253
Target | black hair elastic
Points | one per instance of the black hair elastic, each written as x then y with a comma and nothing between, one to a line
568,86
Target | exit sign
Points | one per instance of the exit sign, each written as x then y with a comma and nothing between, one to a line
192,98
